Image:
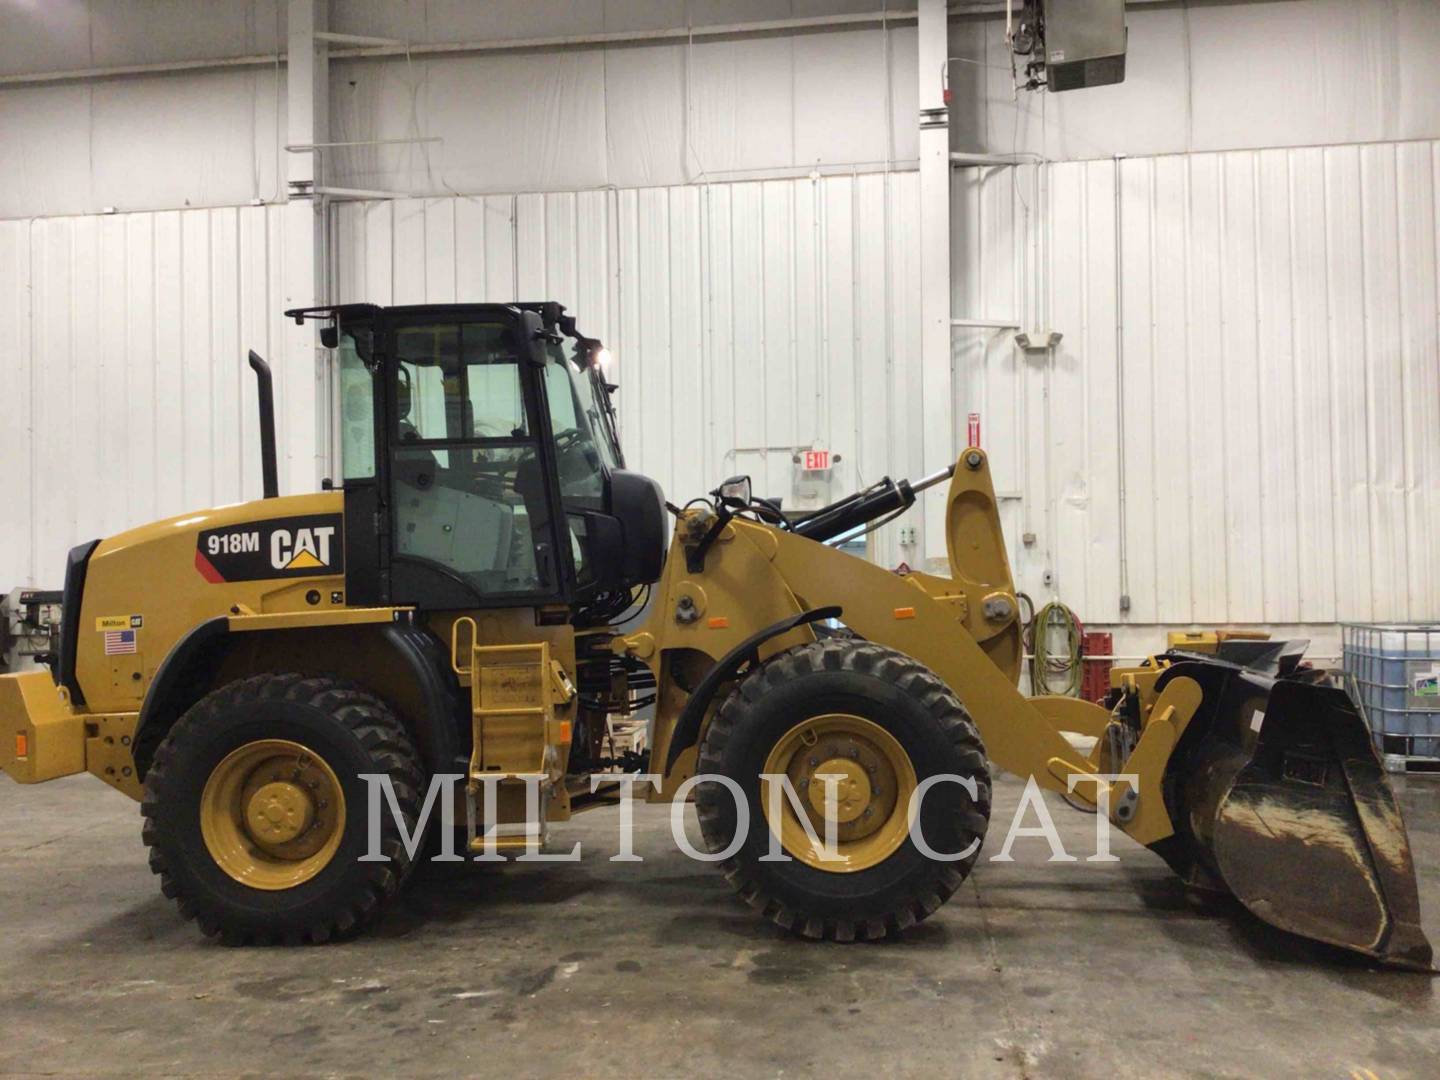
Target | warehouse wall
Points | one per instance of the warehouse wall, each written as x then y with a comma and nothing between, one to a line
1270,412
122,356
1207,75
647,114
1278,304
195,138
1202,76
1274,392
626,114
747,319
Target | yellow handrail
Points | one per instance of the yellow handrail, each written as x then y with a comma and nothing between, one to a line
455,644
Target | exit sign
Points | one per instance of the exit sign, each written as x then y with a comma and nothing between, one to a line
815,460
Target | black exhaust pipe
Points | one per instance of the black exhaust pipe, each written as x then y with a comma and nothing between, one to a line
266,385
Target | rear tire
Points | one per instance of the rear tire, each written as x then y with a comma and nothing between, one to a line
209,780
920,717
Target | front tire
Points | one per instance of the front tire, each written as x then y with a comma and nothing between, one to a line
255,810
882,723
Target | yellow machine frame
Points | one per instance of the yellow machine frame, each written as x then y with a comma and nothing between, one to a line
756,574
965,628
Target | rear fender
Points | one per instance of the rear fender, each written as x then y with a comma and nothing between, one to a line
400,661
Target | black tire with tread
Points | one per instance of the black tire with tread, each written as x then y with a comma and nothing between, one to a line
347,725
841,674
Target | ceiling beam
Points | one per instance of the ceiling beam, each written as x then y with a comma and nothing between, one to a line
760,27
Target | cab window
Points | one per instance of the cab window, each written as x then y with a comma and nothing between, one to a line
357,406
468,479
459,382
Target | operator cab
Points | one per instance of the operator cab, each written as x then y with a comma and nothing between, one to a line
481,464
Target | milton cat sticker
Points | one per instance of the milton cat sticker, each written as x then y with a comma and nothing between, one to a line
309,546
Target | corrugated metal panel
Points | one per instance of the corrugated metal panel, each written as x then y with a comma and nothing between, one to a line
747,319
1280,382
1276,416
124,339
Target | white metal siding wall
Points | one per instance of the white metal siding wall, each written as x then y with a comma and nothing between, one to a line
1280,386
123,341
746,319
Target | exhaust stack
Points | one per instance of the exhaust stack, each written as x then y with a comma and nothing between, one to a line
265,384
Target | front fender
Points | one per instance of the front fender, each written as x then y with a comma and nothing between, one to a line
687,725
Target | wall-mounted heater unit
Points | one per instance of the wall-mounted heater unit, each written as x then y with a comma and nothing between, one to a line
1076,43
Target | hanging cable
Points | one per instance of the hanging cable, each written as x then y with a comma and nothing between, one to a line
1055,670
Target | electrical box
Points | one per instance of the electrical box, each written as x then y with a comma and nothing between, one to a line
1083,42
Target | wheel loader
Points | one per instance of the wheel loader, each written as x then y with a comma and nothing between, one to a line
465,599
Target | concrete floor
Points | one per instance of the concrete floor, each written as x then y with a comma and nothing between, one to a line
653,969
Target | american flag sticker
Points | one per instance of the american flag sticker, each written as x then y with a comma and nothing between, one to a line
119,642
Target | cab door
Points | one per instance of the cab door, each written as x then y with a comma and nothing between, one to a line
473,515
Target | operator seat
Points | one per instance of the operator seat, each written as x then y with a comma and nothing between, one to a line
416,466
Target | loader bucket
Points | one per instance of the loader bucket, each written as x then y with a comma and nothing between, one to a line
1287,805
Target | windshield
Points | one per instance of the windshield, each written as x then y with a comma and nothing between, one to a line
580,401
600,393
582,426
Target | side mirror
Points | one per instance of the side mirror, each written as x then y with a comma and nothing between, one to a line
532,331
736,488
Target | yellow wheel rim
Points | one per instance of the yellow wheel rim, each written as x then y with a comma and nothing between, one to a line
868,794
272,814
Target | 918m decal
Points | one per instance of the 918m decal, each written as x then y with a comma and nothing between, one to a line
308,546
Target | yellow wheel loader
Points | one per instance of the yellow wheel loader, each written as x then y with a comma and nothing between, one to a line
463,602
